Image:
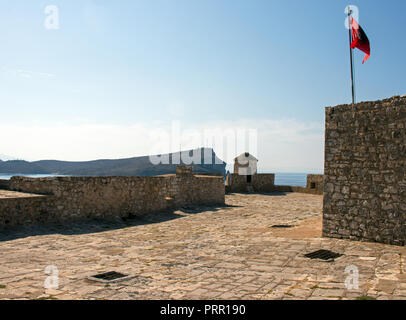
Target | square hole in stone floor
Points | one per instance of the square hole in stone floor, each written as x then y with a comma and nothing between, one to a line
323,255
110,277
282,226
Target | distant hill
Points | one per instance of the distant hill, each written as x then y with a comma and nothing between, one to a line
138,166
21,166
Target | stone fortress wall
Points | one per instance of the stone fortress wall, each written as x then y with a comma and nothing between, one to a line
365,171
364,182
75,198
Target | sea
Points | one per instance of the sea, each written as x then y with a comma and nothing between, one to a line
291,179
281,179
8,176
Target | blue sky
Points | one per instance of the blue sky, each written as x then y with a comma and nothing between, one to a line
113,66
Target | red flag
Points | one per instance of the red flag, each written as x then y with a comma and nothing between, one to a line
360,39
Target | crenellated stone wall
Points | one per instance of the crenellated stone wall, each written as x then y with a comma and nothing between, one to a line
73,198
365,176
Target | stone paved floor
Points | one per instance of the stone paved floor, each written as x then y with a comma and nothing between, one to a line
202,253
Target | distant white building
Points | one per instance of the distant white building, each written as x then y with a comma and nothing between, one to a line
245,177
245,164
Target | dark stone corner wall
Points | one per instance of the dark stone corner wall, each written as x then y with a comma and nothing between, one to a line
365,178
4,184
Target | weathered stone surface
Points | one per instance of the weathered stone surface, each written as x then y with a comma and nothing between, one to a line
258,182
365,177
199,253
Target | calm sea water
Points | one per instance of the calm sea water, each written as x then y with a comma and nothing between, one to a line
8,176
281,179
291,179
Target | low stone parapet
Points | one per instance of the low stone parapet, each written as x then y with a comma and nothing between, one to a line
75,198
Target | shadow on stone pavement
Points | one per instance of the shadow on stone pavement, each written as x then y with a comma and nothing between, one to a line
101,225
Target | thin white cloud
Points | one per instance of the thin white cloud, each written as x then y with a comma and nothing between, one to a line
27,74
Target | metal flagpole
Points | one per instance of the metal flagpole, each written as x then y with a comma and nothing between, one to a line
351,55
